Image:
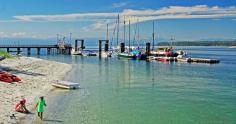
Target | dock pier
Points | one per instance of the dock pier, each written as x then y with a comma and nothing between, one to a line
62,49
198,60
106,49
203,60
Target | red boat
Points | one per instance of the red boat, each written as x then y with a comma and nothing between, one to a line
9,78
166,59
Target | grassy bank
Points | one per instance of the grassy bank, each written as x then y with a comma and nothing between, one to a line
5,54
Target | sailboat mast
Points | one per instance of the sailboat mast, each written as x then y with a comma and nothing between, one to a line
138,33
107,32
118,23
129,35
153,35
124,29
172,39
70,37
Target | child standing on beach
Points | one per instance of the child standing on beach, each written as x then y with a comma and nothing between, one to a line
40,107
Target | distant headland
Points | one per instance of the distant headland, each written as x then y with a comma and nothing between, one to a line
199,43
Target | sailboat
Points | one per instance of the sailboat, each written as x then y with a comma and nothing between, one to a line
127,54
106,54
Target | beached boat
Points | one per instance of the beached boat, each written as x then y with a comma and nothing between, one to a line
65,85
2,58
8,78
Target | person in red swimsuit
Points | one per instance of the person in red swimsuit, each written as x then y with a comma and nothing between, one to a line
20,107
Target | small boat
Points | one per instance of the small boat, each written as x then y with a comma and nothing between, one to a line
76,52
89,53
9,78
126,55
166,59
164,51
183,59
2,58
65,85
106,54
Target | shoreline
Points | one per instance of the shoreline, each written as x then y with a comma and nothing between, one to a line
37,75
232,47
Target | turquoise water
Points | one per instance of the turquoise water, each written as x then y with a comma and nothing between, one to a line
138,92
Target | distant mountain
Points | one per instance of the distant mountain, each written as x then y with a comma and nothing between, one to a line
200,43
94,41
217,39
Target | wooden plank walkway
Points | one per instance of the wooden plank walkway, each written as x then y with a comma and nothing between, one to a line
29,46
65,49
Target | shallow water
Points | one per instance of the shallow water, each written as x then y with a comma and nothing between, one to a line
138,92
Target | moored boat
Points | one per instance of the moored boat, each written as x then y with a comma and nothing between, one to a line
166,59
126,55
106,54
74,52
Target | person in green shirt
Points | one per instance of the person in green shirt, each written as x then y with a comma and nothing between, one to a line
40,107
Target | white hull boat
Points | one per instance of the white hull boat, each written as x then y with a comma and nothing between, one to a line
78,52
65,85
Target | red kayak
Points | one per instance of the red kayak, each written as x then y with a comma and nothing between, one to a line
9,78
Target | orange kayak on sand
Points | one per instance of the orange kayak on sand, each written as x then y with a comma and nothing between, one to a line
9,78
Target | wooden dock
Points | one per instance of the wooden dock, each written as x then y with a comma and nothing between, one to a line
65,49
199,60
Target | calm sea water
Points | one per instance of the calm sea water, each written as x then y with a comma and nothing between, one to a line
138,92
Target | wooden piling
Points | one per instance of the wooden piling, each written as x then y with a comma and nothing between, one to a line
148,47
38,51
76,45
28,51
82,45
100,47
106,46
48,51
122,47
18,51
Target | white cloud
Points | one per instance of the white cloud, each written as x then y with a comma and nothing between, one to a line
16,35
3,34
118,5
171,12
19,34
67,17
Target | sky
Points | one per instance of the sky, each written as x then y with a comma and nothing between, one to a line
181,19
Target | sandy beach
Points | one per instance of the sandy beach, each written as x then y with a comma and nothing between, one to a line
36,74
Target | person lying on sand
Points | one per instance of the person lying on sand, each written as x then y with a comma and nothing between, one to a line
20,107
